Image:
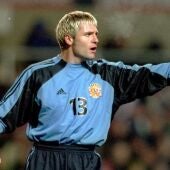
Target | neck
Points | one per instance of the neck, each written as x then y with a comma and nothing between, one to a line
68,56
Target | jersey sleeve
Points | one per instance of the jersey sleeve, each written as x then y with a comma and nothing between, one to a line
131,82
16,105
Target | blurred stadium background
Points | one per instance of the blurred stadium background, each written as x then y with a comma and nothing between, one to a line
132,31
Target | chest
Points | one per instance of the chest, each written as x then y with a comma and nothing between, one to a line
75,90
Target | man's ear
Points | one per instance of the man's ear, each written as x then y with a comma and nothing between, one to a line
69,40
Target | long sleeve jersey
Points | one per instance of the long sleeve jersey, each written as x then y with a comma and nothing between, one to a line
75,103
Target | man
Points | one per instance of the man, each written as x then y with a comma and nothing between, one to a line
69,101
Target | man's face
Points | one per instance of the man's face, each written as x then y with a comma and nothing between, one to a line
85,42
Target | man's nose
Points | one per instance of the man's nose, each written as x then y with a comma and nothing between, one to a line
95,39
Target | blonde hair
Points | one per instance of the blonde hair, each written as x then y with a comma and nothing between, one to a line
69,24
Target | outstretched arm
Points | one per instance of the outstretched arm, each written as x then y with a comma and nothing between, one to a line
140,81
131,82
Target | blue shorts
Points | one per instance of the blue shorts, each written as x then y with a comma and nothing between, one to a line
52,156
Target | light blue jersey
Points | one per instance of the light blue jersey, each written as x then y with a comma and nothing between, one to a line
75,103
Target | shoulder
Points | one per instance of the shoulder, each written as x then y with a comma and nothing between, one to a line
35,68
43,64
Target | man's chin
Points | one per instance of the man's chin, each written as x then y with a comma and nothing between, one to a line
90,57
87,57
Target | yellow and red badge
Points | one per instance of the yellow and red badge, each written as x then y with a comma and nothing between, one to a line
95,90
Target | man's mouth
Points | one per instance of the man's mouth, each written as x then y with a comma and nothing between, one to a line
93,49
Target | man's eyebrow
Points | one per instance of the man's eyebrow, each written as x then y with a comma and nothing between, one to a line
91,32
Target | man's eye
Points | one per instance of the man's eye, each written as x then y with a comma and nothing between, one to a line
87,35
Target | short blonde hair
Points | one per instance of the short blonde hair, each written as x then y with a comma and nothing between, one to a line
69,24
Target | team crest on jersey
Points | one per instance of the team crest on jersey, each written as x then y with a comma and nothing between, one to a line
95,90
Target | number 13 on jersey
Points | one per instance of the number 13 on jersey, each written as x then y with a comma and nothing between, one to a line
79,105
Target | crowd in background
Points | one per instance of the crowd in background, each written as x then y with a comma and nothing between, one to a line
140,140
139,137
